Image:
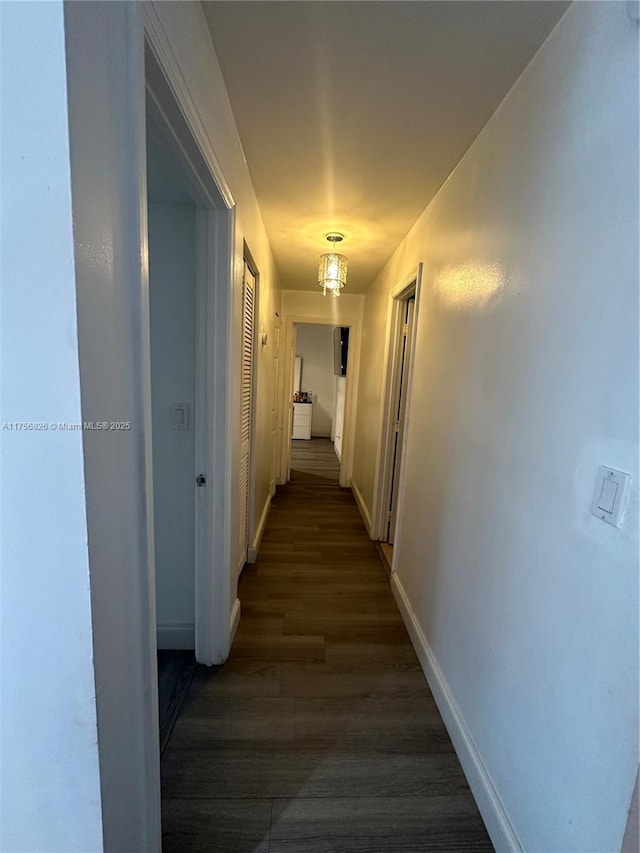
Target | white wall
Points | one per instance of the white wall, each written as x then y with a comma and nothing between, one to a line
338,422
49,776
526,381
314,344
105,79
172,300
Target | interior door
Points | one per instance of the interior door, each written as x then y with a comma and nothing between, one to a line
291,344
400,408
275,436
246,393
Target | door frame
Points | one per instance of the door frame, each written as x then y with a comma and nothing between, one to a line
176,119
384,467
276,425
353,362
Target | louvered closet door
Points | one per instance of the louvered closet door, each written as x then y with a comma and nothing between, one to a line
248,305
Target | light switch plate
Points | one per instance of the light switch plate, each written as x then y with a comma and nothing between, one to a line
180,416
610,495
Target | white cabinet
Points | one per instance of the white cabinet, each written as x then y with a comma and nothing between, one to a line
302,420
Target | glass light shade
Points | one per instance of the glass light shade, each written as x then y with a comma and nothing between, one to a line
332,273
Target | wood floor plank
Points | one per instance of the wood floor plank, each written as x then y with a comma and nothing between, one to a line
236,719
375,632
375,825
176,670
314,461
283,647
206,825
320,734
279,769
235,683
304,684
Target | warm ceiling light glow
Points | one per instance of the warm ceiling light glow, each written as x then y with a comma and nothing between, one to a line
332,272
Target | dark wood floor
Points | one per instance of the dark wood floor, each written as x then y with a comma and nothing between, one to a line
319,735
314,461
175,674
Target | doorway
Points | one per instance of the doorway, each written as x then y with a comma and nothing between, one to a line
403,314
190,247
171,217
404,345
317,403
172,253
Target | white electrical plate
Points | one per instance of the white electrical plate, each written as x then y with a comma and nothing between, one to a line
180,416
610,495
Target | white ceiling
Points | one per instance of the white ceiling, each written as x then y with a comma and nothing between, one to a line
353,114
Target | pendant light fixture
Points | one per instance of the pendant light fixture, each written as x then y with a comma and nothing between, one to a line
332,272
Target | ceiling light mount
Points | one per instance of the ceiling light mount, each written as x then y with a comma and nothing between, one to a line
334,237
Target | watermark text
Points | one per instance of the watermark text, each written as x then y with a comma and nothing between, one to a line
65,426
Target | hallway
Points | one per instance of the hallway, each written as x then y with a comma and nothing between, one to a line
319,734
314,461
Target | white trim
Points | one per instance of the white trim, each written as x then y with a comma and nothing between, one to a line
383,473
494,814
234,621
242,562
163,52
179,636
364,512
213,576
252,555
219,578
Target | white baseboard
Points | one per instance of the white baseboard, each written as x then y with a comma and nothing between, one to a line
252,553
364,512
337,452
181,636
234,621
499,827
240,566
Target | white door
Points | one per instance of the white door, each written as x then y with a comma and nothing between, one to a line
290,360
400,408
246,393
274,405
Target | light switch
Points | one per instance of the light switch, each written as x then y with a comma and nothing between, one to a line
610,495
180,416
